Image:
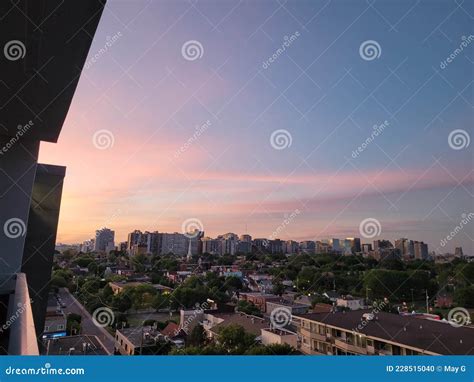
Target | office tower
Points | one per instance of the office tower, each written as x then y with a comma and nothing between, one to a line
366,248
308,246
246,238
458,252
37,90
406,248
211,246
104,239
290,247
382,244
178,243
420,250
335,244
134,238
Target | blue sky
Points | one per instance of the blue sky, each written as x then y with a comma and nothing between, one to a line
150,99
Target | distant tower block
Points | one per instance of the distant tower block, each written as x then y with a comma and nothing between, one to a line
190,254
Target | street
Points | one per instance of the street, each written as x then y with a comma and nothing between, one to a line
87,324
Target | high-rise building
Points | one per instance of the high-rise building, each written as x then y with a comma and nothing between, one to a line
104,239
335,244
308,246
406,248
382,244
458,252
290,247
420,250
211,246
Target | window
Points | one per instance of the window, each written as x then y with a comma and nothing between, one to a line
61,327
46,328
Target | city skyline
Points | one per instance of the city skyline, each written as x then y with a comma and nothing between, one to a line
184,137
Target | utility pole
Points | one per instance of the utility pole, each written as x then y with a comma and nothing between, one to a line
427,301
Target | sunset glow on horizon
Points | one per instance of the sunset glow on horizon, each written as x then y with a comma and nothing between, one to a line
193,138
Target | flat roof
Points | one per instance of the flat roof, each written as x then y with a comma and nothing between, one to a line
62,345
429,335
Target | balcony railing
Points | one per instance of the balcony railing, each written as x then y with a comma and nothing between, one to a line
22,338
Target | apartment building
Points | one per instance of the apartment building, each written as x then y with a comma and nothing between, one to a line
365,333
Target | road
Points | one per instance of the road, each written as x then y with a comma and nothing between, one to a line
87,325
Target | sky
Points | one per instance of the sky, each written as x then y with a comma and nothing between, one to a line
236,114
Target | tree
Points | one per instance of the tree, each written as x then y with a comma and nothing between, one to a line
73,324
197,337
248,307
278,289
121,302
233,283
465,297
234,339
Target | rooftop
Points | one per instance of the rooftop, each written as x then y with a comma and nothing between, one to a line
75,345
251,324
430,335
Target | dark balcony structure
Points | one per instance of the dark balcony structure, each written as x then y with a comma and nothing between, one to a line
44,45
